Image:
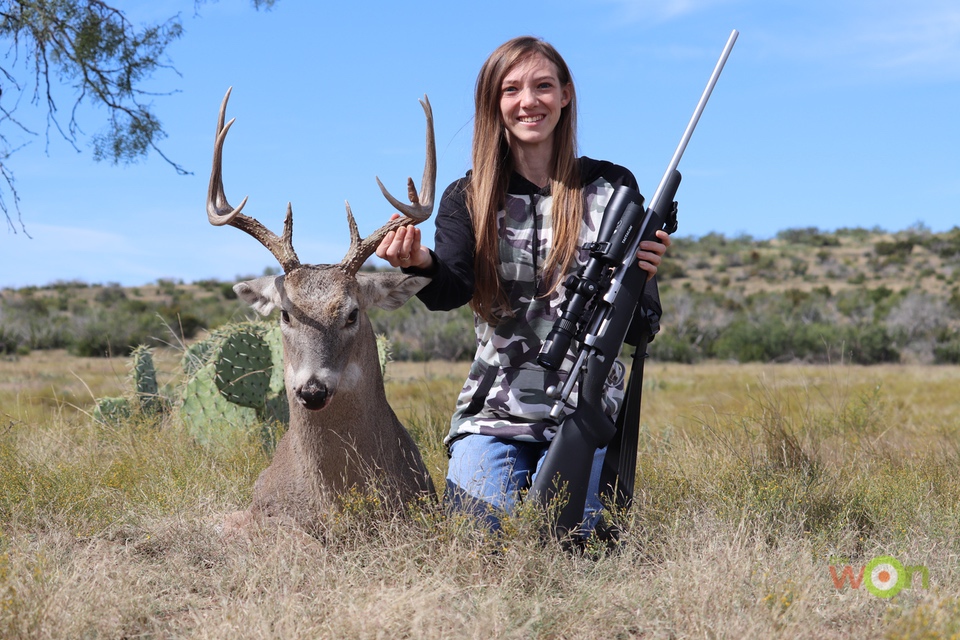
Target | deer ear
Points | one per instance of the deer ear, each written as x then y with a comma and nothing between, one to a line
263,294
388,290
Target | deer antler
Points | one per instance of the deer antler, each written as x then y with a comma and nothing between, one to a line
419,209
220,212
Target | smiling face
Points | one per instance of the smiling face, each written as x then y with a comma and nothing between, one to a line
531,99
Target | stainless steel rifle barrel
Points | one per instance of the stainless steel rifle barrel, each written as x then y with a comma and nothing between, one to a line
675,161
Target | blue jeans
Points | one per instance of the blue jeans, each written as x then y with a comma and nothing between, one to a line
487,473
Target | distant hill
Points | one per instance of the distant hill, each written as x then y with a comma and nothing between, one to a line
851,295
806,259
857,295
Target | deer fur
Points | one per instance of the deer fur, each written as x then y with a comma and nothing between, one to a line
354,440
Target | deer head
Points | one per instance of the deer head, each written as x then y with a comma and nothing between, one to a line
329,346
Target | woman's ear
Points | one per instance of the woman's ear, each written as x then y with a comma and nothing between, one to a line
565,95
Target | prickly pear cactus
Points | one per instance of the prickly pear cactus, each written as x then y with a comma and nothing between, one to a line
243,366
208,416
197,355
235,384
145,380
147,399
112,410
383,352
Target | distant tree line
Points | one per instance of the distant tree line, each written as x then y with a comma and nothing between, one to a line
824,298
861,326
105,320
844,312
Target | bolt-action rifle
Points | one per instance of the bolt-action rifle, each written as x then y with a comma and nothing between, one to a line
601,312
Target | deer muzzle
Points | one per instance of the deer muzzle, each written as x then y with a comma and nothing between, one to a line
313,395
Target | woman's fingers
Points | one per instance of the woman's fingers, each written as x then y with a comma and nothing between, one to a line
650,253
401,248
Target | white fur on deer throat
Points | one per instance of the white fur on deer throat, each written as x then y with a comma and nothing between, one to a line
351,377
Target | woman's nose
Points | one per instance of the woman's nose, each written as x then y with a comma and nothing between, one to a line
528,98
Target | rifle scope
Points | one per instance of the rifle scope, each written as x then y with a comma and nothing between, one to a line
618,227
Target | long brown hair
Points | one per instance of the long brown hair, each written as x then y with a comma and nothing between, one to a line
492,166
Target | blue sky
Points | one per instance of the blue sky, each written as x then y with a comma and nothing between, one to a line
828,114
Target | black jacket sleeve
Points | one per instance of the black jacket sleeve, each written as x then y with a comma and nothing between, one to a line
454,245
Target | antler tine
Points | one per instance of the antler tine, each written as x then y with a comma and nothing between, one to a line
419,209
421,206
220,212
355,256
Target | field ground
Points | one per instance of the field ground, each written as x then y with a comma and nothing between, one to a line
753,481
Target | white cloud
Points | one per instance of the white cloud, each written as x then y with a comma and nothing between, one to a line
869,40
921,37
68,253
661,11
47,238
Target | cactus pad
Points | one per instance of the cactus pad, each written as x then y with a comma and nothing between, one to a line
112,410
208,416
197,355
145,380
243,366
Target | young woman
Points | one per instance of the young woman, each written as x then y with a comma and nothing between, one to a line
507,235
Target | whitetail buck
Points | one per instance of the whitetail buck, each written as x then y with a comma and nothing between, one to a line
343,433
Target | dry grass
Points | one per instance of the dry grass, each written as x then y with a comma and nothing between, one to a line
751,478
45,382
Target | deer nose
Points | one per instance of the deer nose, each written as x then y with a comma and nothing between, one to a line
313,395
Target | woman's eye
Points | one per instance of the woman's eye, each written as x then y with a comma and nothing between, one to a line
352,318
284,316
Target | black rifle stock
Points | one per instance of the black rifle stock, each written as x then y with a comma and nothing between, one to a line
601,312
566,468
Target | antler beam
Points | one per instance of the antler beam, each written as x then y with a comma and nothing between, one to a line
419,209
221,212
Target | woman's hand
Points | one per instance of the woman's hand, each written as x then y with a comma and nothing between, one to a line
650,253
402,248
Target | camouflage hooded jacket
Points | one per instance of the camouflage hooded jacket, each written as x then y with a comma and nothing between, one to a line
504,394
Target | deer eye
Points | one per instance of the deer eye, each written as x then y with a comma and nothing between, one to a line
352,318
284,316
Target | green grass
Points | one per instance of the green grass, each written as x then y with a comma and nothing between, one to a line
751,481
